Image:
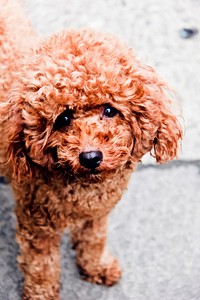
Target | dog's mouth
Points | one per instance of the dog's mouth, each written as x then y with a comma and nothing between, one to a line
85,176
81,174
89,175
94,172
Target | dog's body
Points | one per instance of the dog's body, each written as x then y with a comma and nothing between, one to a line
76,116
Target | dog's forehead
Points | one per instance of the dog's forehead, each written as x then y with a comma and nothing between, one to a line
80,100
85,62
80,70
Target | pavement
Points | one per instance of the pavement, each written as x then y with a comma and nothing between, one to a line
155,228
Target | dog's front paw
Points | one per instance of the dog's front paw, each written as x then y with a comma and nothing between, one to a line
107,271
40,292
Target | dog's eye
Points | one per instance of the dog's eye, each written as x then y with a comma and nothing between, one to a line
64,119
110,111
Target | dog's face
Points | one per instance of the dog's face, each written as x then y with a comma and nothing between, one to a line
75,137
85,106
92,139
81,140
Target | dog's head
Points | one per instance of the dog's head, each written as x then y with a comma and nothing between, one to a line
85,105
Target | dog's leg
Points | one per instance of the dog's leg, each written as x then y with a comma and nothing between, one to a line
39,261
95,262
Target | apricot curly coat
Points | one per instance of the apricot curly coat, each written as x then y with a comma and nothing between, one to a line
77,92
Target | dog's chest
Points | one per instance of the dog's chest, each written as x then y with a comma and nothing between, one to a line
80,201
91,200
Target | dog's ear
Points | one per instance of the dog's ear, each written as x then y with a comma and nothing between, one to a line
14,140
156,116
17,157
167,140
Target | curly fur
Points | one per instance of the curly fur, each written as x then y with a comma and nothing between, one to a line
82,71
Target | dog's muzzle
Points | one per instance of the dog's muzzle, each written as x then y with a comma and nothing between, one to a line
91,160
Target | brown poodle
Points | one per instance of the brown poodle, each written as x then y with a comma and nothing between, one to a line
78,112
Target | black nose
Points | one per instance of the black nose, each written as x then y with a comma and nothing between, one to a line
90,160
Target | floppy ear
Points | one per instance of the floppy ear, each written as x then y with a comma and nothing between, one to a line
14,140
156,117
166,143
17,157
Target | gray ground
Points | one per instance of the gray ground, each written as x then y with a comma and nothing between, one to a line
155,229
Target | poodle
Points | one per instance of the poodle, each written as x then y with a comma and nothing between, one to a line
78,112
